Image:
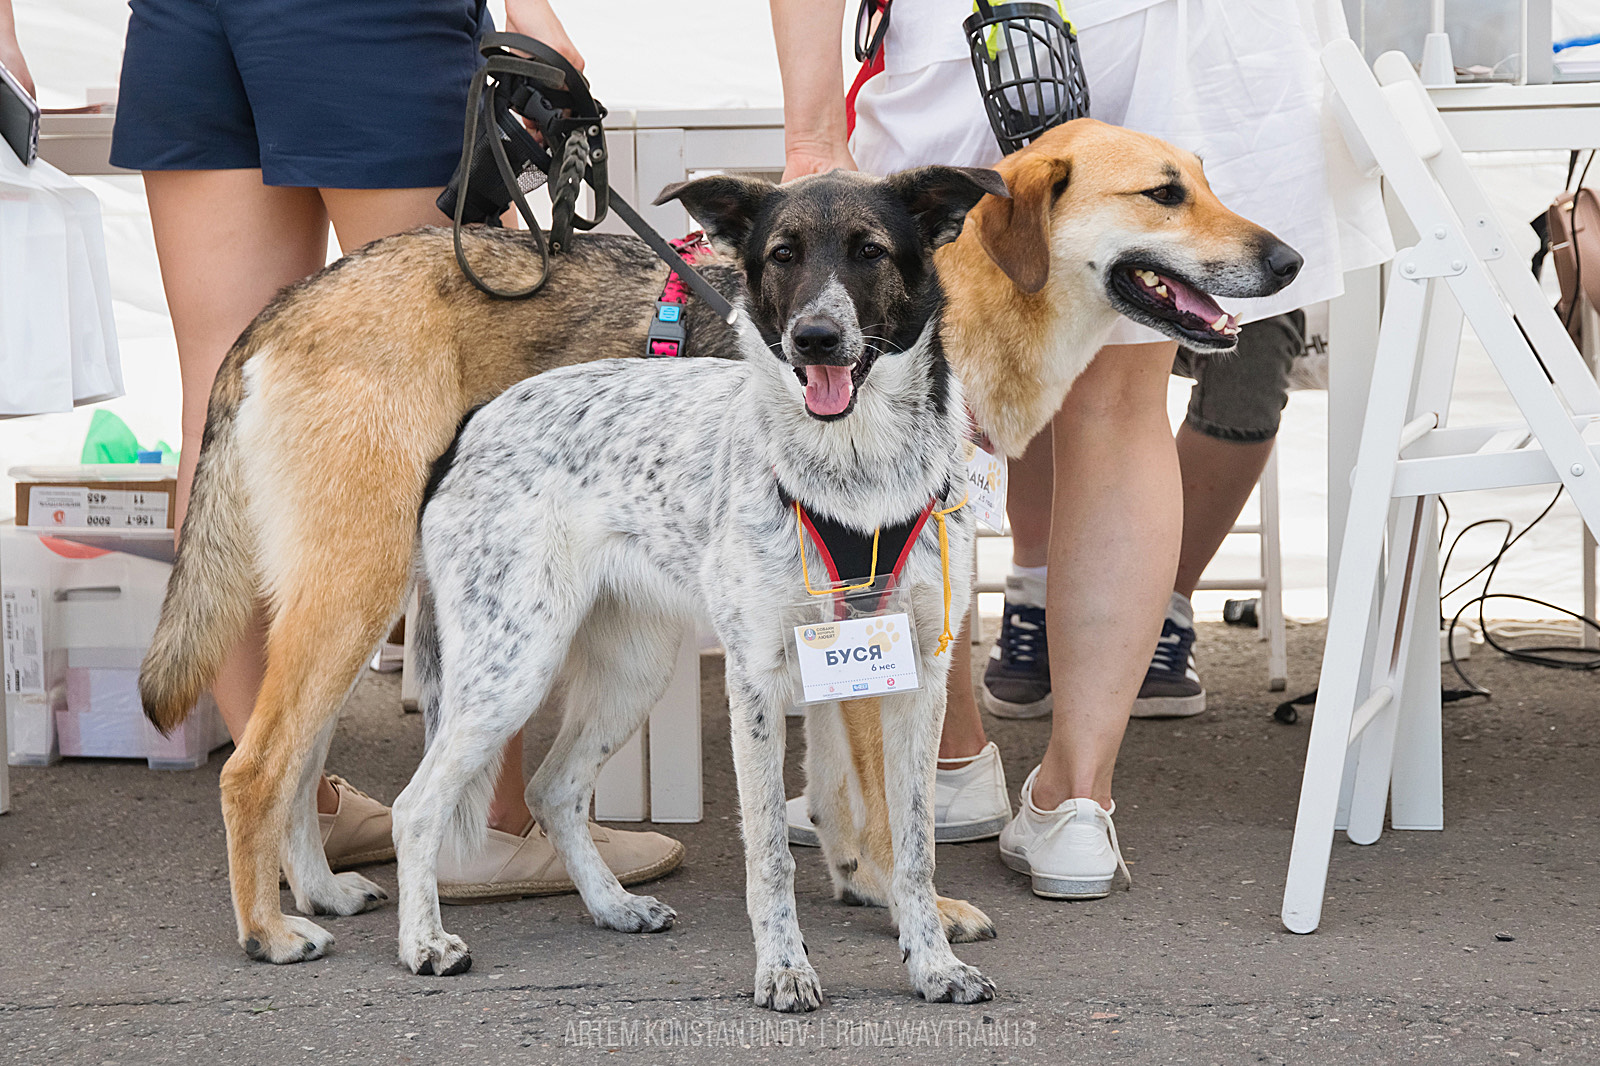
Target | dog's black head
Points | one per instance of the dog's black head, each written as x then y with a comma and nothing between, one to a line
839,266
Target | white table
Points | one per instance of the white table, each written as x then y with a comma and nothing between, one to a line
652,149
1483,118
78,144
649,151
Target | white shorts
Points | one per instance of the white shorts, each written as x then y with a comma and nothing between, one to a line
1237,82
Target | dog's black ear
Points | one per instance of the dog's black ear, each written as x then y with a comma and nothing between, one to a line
725,205
940,197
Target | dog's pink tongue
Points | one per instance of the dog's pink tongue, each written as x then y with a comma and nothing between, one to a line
1193,301
827,389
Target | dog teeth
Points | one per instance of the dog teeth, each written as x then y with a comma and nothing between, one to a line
1222,323
1148,277
1161,290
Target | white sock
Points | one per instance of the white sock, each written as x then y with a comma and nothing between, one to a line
1025,585
1180,610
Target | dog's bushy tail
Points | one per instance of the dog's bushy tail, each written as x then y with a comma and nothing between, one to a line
212,591
466,829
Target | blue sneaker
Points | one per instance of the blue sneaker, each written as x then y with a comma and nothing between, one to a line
1172,686
1016,683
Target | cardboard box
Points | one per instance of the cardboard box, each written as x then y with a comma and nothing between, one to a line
77,610
110,496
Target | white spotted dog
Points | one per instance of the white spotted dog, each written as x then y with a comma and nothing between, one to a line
587,512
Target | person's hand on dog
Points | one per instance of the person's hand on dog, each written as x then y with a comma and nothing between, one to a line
11,51
800,159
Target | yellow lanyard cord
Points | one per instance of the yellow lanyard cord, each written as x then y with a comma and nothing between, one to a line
800,529
944,563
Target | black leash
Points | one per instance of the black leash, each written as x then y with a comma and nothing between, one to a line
546,90
692,277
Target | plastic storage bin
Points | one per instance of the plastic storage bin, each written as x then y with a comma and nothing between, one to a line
77,610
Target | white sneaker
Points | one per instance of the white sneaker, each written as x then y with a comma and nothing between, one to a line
970,802
1070,852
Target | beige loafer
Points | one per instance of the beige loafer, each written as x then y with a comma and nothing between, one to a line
510,867
359,831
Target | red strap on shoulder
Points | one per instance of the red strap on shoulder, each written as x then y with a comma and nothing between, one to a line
872,67
870,52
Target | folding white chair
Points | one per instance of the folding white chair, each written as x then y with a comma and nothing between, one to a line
1373,688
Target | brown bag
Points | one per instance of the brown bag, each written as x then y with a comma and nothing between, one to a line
1574,220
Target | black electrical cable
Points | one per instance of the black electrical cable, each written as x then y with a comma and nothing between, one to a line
1448,555
1553,656
1505,545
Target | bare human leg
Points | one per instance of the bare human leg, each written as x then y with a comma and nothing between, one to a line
1115,530
963,735
227,244
1218,477
359,217
1029,479
1029,492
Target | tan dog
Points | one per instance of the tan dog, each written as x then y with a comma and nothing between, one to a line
331,408
1033,287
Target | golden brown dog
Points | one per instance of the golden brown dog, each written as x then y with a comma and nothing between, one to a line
1033,286
330,409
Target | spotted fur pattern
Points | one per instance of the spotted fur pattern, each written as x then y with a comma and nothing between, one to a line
592,510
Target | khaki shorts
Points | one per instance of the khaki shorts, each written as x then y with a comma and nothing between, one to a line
1239,396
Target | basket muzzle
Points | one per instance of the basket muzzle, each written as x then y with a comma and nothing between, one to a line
1029,71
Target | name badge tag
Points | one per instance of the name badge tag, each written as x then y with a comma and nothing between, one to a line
986,487
857,657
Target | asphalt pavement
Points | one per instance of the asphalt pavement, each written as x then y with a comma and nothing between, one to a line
1480,944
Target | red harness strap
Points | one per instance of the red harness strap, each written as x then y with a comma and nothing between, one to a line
666,336
848,554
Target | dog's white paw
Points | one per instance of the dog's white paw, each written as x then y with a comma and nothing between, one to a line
347,893
634,914
789,989
438,954
952,982
295,940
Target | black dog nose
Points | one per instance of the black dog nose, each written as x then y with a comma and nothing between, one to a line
1284,262
817,337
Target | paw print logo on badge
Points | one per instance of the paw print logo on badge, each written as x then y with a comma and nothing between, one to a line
881,636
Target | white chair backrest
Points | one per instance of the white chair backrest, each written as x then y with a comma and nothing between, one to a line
1410,104
1460,232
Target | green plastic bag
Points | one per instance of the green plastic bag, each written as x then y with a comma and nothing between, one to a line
109,440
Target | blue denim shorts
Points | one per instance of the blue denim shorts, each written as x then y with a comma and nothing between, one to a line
1239,396
340,94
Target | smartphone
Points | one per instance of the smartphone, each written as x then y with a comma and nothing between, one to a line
19,117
